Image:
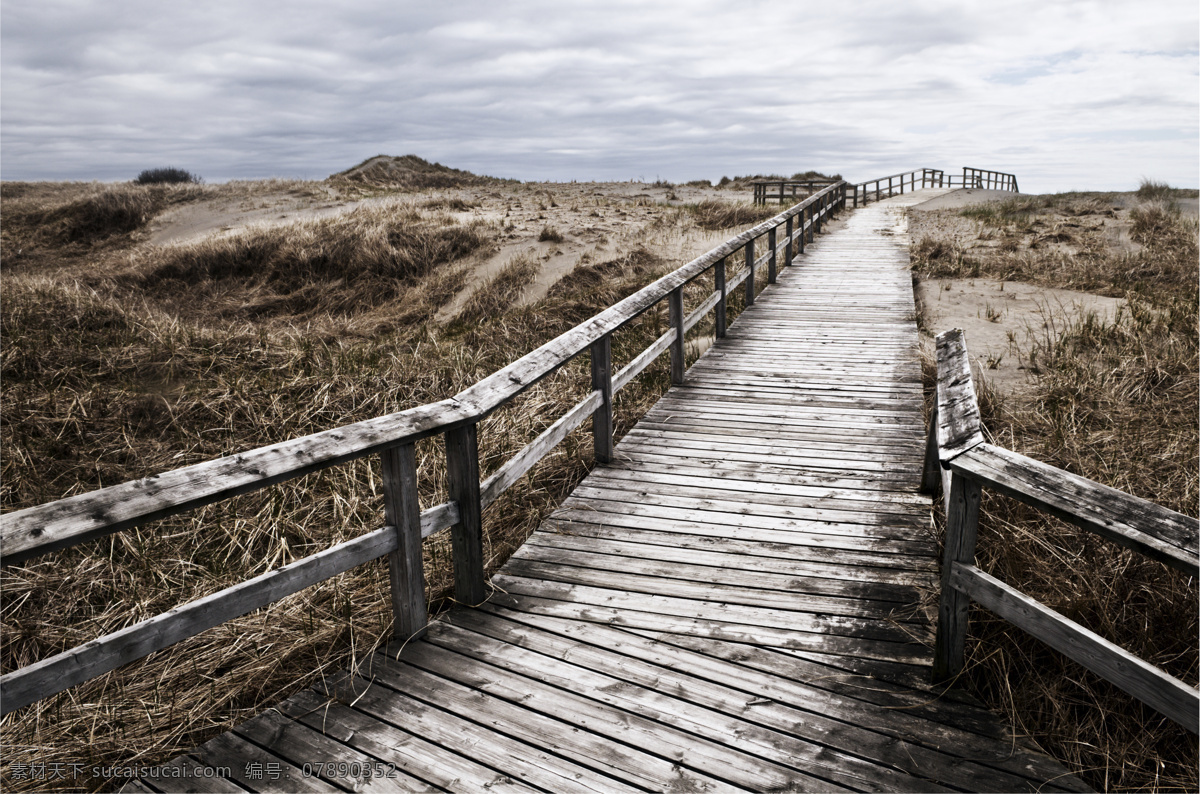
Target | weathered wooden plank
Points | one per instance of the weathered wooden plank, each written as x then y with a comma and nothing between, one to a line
1144,681
787,704
962,524
695,705
256,769
435,519
846,597
345,768
392,746
1143,526
402,510
676,318
27,533
466,536
870,638
792,559
460,690
66,669
461,735
186,775
602,382
527,458
687,750
763,536
959,426
742,515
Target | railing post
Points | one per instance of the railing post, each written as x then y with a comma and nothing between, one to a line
602,418
962,523
719,318
856,196
771,261
877,189
751,274
808,234
675,306
466,537
789,229
406,570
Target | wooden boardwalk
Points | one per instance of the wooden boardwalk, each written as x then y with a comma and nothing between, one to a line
743,600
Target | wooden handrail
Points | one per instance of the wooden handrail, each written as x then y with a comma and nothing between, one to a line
966,462
931,177
761,195
27,533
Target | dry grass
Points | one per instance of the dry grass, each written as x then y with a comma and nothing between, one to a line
345,264
1115,402
549,234
716,215
120,364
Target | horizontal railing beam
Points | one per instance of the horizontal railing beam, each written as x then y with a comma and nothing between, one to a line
1150,529
85,662
1162,692
527,458
25,534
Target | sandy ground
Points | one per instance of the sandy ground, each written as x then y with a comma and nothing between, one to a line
1001,318
597,221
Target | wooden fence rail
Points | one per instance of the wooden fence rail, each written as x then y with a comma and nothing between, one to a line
782,189
886,186
962,463
28,533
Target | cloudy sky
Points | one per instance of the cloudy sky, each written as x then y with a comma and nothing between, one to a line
1067,95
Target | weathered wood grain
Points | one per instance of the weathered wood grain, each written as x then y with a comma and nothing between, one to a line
602,384
959,426
64,670
1147,683
466,536
402,510
962,525
1143,526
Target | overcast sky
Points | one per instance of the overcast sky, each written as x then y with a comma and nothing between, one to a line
1067,95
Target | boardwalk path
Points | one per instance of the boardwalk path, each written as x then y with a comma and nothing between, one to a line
741,601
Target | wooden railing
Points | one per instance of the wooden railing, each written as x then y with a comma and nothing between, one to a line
885,186
958,458
988,180
785,189
25,534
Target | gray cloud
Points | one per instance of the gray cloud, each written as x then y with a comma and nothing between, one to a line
611,90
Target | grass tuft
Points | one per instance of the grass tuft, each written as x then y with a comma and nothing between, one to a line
166,176
717,215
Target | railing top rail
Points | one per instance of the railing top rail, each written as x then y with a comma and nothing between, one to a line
813,181
893,176
35,530
988,171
